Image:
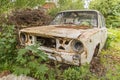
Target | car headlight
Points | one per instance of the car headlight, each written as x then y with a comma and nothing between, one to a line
77,46
23,38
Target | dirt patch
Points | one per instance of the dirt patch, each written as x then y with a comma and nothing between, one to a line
112,58
97,67
4,73
14,77
29,17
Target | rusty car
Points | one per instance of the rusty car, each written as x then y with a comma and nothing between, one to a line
73,37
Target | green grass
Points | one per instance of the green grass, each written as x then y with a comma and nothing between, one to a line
110,57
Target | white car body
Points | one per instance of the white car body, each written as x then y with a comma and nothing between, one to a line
69,43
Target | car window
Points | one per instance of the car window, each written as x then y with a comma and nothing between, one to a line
101,20
76,18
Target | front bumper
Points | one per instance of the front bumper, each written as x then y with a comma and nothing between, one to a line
63,57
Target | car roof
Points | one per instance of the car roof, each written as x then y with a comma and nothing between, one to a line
80,11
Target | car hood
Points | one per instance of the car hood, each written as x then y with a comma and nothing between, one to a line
56,31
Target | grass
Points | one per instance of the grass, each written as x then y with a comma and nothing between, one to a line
110,57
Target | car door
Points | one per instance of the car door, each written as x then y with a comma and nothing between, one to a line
103,30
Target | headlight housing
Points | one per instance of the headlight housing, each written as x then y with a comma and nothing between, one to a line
23,38
77,46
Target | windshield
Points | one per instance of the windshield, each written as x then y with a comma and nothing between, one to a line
87,18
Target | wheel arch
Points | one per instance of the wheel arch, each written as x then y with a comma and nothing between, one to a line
96,50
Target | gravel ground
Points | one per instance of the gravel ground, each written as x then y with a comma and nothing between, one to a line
14,77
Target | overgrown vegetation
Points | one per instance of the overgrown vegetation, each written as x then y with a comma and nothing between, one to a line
33,62
29,62
7,47
71,5
110,9
7,5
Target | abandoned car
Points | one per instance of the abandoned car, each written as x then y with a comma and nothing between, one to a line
73,37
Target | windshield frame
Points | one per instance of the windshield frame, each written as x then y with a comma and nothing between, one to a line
87,11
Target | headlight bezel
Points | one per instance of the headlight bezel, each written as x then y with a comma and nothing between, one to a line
23,38
77,46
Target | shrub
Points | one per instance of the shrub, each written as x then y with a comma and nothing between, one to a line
110,9
77,73
29,62
7,47
113,37
70,5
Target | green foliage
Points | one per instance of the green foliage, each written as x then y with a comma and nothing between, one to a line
115,20
7,5
77,73
7,47
113,37
66,5
110,9
111,72
18,4
29,62
109,60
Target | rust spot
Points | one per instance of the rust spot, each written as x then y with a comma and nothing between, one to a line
4,73
74,27
88,33
90,40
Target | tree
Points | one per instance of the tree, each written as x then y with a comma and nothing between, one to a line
8,5
67,5
110,9
27,3
5,5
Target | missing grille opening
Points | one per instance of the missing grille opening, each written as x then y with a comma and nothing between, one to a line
47,42
66,42
30,37
61,48
61,41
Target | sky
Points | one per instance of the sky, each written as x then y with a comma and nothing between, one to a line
86,4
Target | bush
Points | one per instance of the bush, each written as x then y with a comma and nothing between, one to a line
77,73
70,6
113,37
7,47
28,18
110,9
29,62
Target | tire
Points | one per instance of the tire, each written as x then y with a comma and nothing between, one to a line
96,51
